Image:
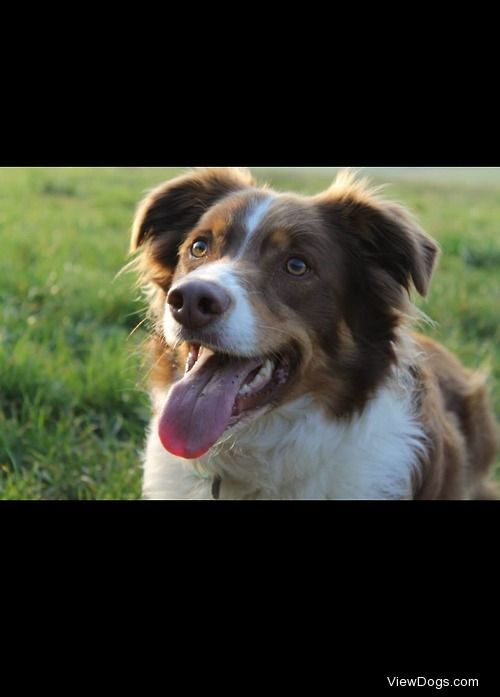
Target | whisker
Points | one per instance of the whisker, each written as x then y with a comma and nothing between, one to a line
274,329
136,312
154,365
254,292
137,327
124,269
176,345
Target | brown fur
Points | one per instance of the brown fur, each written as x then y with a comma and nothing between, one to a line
347,320
460,425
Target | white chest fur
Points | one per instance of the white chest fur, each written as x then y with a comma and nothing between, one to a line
298,452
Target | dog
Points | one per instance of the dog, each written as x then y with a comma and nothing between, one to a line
282,360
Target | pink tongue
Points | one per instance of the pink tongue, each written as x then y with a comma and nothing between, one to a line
199,407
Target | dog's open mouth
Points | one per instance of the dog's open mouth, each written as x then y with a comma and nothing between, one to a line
217,390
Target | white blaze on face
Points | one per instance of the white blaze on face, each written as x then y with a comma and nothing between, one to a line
238,328
254,218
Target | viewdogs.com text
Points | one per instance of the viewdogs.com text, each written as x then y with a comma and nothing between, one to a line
438,683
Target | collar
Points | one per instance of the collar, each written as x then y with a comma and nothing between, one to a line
216,483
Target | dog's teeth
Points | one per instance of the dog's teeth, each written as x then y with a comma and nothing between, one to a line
190,361
260,379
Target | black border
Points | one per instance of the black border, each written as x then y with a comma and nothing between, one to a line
404,587
108,146
332,594
242,126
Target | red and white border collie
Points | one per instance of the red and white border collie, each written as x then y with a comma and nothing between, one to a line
283,366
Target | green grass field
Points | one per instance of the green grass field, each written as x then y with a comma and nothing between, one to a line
72,403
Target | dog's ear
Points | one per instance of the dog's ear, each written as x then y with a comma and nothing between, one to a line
175,207
379,234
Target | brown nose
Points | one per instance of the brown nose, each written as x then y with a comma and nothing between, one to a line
195,304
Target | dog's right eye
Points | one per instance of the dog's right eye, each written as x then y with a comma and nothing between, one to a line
199,248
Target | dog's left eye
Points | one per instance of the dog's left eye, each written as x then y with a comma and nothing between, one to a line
199,248
297,267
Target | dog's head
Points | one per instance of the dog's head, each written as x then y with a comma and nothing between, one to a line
266,296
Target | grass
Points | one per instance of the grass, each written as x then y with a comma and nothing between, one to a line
72,409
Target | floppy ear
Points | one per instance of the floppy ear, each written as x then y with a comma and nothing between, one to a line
382,234
399,244
175,207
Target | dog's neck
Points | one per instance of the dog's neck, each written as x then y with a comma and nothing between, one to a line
297,451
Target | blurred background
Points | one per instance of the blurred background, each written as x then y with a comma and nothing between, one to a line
73,403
